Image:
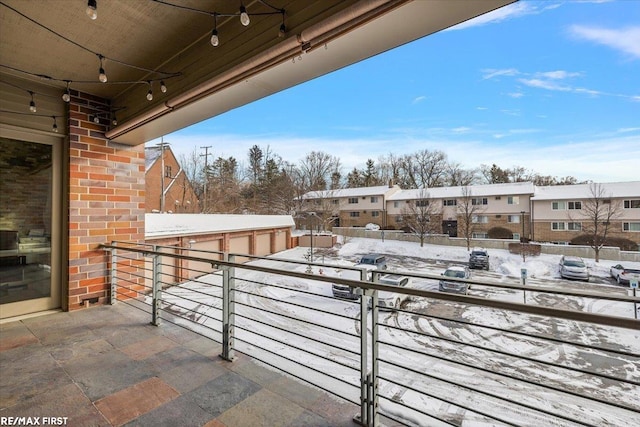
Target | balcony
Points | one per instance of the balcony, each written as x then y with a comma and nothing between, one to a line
196,338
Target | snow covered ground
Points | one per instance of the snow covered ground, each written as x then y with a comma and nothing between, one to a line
496,367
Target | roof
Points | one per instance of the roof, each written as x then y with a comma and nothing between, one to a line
512,188
583,191
151,154
350,192
164,225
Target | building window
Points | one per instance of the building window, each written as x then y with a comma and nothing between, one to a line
374,199
354,214
353,200
632,204
574,226
334,201
513,200
396,204
449,202
558,226
375,214
631,226
516,236
479,201
513,219
561,206
167,171
480,219
479,236
399,218
422,203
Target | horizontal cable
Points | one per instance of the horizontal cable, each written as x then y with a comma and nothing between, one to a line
506,353
296,319
293,333
296,363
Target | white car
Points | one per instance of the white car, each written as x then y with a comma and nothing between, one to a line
624,276
371,226
392,300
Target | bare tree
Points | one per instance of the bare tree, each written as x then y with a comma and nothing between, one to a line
317,168
425,169
456,175
468,210
597,213
417,215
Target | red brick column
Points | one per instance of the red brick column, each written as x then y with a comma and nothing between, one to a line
106,199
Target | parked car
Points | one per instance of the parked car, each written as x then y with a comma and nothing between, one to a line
372,226
392,300
360,272
479,258
573,267
624,276
457,272
377,260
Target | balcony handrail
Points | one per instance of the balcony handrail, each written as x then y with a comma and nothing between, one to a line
600,319
260,316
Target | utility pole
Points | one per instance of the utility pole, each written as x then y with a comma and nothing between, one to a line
162,144
206,175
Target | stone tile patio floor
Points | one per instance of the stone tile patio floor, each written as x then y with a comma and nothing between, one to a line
108,366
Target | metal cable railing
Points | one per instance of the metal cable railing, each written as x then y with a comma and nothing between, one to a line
440,359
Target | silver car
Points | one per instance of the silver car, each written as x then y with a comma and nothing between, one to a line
457,272
573,267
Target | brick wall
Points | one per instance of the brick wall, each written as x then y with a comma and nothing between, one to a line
177,188
106,199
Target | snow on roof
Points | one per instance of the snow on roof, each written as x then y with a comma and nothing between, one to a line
163,225
151,154
349,192
583,191
512,188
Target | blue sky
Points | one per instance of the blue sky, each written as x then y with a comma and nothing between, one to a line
551,86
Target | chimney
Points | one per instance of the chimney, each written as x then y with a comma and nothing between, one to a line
391,183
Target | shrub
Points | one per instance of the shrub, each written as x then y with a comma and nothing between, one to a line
620,242
499,233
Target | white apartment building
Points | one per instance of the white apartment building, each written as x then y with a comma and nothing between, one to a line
521,209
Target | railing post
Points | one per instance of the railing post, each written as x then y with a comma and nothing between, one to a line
114,276
368,377
156,288
373,375
364,367
228,308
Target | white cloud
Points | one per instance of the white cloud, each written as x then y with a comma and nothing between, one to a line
418,99
512,11
544,84
491,73
625,40
559,74
481,108
625,130
516,94
461,129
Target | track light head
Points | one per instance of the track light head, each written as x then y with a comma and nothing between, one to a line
150,92
163,87
55,125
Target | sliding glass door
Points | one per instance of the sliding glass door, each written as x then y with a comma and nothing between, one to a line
30,232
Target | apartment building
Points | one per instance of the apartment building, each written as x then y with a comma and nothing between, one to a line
350,207
563,212
512,210
506,206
